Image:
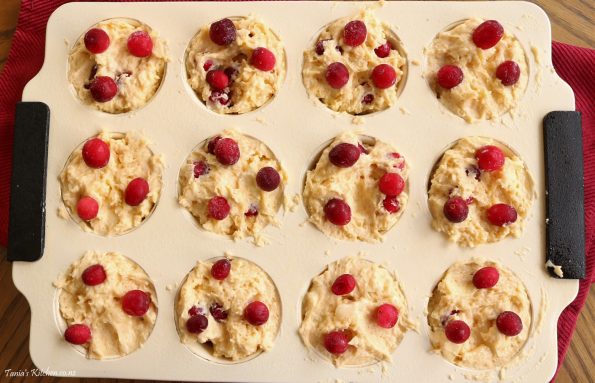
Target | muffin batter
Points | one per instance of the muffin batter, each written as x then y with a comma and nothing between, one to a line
137,78
354,313
456,298
114,333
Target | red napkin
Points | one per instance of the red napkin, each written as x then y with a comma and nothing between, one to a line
575,65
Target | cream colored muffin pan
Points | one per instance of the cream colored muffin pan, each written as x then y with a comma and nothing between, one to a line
168,244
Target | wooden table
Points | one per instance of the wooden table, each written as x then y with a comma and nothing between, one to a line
572,23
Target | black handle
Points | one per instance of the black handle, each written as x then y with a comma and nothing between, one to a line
26,225
564,195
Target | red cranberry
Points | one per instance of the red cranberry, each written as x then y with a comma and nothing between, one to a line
103,88
368,99
220,269
136,191
197,324
489,158
207,65
337,75
509,323
263,59
337,212
222,32
87,208
344,155
212,144
201,168
77,334
96,40
391,184
252,211
217,312
268,179
501,214
391,204
354,33
387,315
136,303
449,76
96,153
487,34
336,342
319,48
194,310
457,331
94,275
486,277
384,76
344,284
383,50
217,79
220,96
456,210
508,73
140,44
227,151
256,313
218,208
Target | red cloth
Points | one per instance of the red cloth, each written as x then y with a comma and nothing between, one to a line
574,65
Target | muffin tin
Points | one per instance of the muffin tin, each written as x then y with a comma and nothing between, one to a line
168,244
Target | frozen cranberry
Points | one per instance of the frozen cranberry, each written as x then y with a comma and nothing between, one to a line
344,284
140,44
391,204
268,178
508,73
263,59
509,323
354,33
368,99
218,208
336,342
457,331
220,96
252,211
77,334
337,75
256,313
227,151
337,212
136,191
194,310
217,312
222,32
387,315
384,76
456,210
217,79
449,76
220,269
207,65
501,214
96,40
486,277
489,158
87,208
136,303
103,88
96,153
319,48
93,275
212,143
201,168
487,34
383,50
391,184
344,155
197,324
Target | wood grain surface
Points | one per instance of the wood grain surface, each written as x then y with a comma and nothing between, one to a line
572,23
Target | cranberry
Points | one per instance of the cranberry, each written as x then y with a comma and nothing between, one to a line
93,275
487,34
501,214
354,33
194,310
268,179
457,331
509,323
337,75
217,312
96,153
508,73
77,334
207,65
227,151
217,79
201,168
391,184
384,76
336,342
103,88
222,32
486,277
212,143
96,40
256,313
263,59
383,50
489,158
136,303
456,209
344,284
252,211
449,76
140,44
387,315
319,48
344,155
337,212
220,269
220,96
197,324
136,191
391,204
87,208
368,99
218,208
